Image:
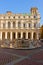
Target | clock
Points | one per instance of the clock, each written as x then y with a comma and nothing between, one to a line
35,16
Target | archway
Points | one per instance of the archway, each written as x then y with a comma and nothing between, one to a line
34,36
13,35
8,35
3,35
29,35
24,35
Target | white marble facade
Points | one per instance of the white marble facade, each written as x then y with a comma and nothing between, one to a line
14,26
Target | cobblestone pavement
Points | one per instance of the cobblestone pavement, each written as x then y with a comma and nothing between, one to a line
21,57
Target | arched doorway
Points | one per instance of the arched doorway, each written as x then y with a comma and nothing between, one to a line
13,35
3,35
19,35
24,35
29,35
8,35
34,36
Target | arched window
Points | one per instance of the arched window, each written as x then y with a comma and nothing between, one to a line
14,24
24,25
9,24
29,25
9,17
3,25
14,17
19,24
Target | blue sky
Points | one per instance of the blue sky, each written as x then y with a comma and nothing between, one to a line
21,6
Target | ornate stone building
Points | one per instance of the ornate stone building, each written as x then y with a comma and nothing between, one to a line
18,26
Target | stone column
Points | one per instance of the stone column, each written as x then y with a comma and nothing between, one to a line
32,35
32,24
27,26
21,35
26,35
0,35
5,35
10,35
